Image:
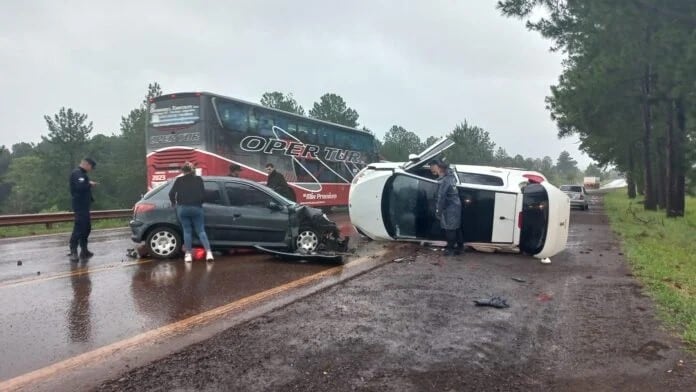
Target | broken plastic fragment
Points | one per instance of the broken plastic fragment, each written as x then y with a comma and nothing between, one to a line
495,302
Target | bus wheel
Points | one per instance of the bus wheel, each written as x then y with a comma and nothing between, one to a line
307,240
163,242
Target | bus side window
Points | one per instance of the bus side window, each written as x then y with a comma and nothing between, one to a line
253,120
266,125
303,132
233,117
282,123
313,135
326,136
292,129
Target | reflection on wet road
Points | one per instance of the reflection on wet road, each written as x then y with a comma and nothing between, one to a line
71,309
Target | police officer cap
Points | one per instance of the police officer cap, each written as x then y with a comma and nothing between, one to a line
91,162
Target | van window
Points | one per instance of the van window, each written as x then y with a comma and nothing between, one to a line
479,179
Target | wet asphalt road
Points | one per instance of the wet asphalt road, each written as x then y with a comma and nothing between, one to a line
53,310
581,323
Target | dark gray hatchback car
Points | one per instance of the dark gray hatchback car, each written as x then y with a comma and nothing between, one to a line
238,213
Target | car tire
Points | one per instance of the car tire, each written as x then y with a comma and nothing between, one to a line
307,240
163,242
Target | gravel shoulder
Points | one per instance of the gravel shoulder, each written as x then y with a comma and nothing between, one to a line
581,323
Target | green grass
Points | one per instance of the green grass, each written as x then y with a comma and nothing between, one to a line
662,252
66,227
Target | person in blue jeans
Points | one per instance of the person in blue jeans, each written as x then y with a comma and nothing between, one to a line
187,196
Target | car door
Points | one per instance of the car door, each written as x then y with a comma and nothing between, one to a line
504,217
257,217
429,154
215,210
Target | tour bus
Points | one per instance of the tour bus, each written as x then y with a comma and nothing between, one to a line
318,159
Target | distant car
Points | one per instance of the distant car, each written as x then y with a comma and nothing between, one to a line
238,213
577,195
503,209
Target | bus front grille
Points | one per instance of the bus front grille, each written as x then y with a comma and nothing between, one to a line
173,159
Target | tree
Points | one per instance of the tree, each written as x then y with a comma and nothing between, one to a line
68,133
567,167
399,143
5,160
22,149
593,171
473,145
333,108
430,141
501,157
30,193
627,89
132,176
280,101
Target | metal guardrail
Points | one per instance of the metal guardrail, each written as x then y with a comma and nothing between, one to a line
58,217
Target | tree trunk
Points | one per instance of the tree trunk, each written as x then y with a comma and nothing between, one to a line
661,180
650,194
669,157
630,176
676,166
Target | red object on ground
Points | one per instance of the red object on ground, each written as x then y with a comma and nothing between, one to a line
198,253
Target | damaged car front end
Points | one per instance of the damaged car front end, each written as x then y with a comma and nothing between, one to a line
311,225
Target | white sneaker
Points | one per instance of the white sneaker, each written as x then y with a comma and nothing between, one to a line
209,256
187,257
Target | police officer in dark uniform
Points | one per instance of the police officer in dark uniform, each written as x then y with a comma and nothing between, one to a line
81,192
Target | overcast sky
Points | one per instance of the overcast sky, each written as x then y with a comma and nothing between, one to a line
425,65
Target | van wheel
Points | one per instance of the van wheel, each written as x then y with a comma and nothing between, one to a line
163,242
307,240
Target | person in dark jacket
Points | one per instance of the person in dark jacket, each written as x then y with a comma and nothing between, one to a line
448,207
81,194
187,195
277,182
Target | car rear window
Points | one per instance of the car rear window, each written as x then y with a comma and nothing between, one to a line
480,179
571,188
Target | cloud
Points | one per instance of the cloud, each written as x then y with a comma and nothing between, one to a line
424,65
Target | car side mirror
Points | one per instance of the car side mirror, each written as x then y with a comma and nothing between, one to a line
412,157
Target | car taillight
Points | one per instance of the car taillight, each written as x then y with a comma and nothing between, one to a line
519,220
142,208
534,178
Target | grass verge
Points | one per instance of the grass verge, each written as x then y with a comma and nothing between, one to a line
662,252
66,227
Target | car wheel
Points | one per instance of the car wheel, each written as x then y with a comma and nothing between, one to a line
163,242
307,240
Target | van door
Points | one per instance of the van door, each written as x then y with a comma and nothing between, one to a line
504,218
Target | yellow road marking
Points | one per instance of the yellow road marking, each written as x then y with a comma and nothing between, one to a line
67,274
94,356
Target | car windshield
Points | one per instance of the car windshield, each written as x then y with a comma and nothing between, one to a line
571,188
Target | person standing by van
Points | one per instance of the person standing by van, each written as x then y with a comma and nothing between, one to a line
187,195
448,208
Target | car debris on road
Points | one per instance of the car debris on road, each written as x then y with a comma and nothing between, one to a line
300,255
494,302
